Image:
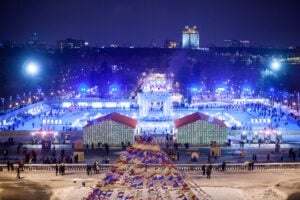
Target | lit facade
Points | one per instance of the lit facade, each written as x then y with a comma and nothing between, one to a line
70,43
190,38
237,43
198,128
113,129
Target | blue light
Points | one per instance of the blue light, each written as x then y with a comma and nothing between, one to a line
194,88
275,65
83,88
114,88
221,88
32,68
246,89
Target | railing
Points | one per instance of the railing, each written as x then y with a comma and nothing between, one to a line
239,166
181,167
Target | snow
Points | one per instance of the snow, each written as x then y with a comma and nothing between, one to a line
242,185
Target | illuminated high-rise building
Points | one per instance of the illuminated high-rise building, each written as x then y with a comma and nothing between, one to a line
190,38
34,39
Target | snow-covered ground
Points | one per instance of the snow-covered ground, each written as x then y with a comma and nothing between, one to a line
229,185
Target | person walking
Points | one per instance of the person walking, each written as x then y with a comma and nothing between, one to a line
97,167
18,173
89,169
56,169
8,165
106,148
223,166
63,168
203,169
268,157
208,171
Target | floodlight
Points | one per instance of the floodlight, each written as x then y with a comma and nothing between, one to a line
275,65
32,68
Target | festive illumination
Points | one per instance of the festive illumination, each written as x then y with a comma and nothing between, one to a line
112,129
144,172
199,128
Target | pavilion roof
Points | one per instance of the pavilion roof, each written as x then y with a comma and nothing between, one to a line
195,117
122,119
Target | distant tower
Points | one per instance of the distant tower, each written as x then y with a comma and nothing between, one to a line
33,40
190,38
34,37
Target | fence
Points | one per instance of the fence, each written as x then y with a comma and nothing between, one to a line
181,167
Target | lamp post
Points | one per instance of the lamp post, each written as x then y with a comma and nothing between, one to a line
3,100
39,90
272,96
31,70
10,100
269,72
298,99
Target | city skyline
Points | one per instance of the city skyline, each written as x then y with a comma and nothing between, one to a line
144,22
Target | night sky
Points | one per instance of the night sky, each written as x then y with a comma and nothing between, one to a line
142,22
